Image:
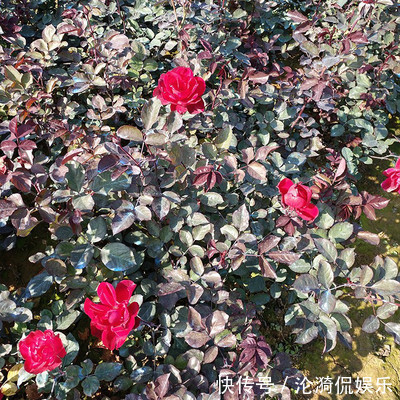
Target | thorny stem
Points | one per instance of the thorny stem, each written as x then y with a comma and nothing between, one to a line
130,156
368,298
93,37
300,114
121,16
388,157
176,16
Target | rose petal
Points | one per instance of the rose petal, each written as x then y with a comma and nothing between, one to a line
309,212
108,338
284,185
107,294
197,107
124,291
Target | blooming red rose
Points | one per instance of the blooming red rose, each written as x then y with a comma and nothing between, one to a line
42,351
298,197
182,90
113,318
392,183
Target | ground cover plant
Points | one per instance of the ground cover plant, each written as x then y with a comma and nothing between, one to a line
191,164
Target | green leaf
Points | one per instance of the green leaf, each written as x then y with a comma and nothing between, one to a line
73,379
363,80
96,229
346,258
139,50
118,257
108,371
330,330
75,176
12,74
66,319
343,321
42,379
390,267
366,274
90,385
240,218
72,349
147,311
200,231
325,274
371,324
310,48
174,122
83,203
82,255
104,183
326,248
277,125
326,216
307,335
186,238
230,232
256,284
161,206
196,251
257,171
327,301
337,130
141,375
150,112
224,138
300,266
129,132
211,199
305,283
387,287
356,92
386,311
394,329
38,285
55,267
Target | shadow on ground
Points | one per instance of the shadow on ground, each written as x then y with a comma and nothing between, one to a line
372,356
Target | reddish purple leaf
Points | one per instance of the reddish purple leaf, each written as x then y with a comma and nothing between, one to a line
162,385
8,145
266,268
21,181
369,237
197,339
107,162
27,145
268,243
297,16
284,257
6,208
358,37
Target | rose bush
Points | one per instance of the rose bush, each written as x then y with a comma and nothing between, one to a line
187,200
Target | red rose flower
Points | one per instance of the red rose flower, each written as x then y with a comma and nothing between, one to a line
392,183
182,90
42,351
298,197
113,319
